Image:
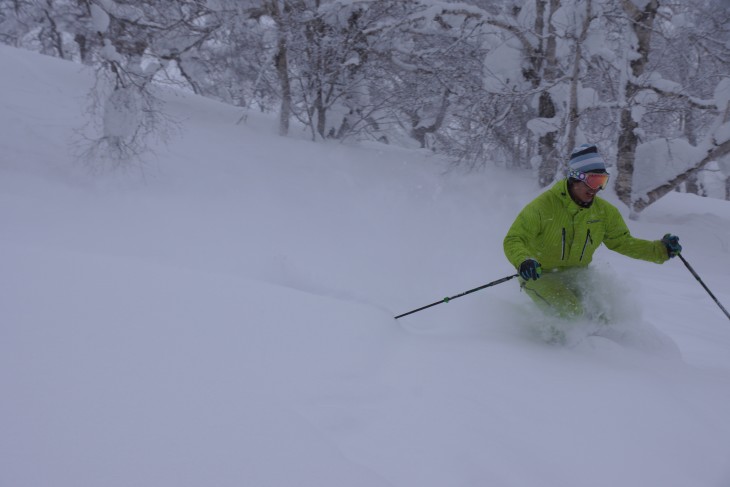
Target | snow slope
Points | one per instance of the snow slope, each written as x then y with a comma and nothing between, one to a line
226,320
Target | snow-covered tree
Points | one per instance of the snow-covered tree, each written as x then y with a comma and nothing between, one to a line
671,122
138,39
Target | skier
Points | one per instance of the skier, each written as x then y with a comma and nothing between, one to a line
553,238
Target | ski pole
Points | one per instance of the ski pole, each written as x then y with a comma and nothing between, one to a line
703,285
446,300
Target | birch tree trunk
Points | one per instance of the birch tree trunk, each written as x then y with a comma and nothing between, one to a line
547,144
281,62
642,22
573,108
716,153
282,70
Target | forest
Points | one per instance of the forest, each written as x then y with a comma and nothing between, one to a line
485,83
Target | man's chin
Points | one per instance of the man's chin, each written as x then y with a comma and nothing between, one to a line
587,201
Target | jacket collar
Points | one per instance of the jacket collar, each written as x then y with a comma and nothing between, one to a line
560,189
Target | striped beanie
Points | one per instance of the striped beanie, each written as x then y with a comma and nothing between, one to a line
586,158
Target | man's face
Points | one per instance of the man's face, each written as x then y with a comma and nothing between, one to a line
583,193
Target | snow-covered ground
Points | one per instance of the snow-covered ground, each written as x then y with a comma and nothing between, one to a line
227,320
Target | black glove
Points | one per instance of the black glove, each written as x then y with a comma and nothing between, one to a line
530,269
671,242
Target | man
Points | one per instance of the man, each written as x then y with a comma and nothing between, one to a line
554,237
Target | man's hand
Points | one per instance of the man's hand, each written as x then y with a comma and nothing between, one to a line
530,269
671,242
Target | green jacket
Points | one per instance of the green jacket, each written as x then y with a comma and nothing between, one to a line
558,233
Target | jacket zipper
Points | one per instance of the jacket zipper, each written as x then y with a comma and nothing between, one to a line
562,252
585,244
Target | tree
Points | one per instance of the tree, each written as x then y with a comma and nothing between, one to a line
138,39
333,64
668,105
640,21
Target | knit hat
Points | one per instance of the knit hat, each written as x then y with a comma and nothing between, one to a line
586,158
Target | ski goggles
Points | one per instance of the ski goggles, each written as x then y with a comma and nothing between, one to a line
594,180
